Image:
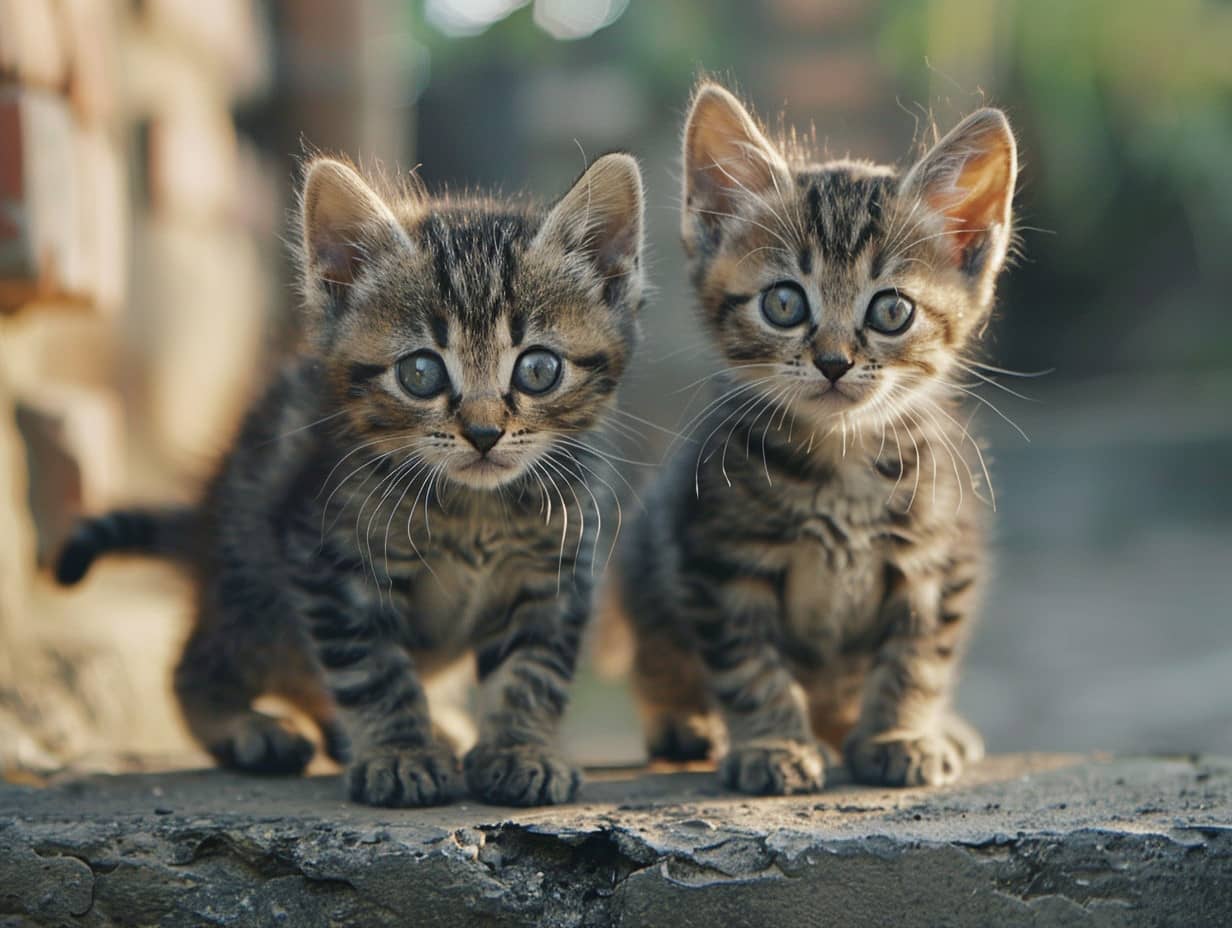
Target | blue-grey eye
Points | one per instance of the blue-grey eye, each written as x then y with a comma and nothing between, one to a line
423,374
890,313
784,305
536,371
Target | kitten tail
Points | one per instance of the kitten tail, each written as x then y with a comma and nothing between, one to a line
165,533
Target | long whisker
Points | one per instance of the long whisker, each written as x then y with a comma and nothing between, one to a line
564,531
569,484
572,442
995,383
302,428
1010,373
714,407
738,412
410,516
351,496
594,500
615,502
645,422
786,404
410,480
992,501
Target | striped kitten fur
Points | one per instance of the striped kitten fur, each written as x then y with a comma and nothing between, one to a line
418,485
805,573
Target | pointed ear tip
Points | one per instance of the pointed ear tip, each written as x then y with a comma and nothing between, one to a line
619,161
621,168
993,120
322,170
320,163
711,93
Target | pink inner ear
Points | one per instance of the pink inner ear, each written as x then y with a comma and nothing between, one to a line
726,157
979,197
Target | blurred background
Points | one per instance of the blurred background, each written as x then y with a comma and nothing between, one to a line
148,151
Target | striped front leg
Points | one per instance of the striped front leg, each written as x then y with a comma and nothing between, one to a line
908,734
395,761
525,676
773,751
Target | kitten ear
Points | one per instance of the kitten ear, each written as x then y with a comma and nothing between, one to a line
344,221
968,179
727,158
601,217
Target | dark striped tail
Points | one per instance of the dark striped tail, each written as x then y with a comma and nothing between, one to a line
164,533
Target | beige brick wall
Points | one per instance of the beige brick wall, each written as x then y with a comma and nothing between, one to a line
134,299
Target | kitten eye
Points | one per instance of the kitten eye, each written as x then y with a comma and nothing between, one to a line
784,305
890,313
423,374
536,371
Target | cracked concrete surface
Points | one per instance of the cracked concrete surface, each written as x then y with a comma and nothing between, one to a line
1025,840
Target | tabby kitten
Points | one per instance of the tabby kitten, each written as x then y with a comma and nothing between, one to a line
807,571
416,486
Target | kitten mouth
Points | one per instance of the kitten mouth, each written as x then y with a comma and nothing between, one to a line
485,470
835,393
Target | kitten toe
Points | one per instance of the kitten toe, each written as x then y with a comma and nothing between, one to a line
259,743
778,768
904,760
520,776
405,777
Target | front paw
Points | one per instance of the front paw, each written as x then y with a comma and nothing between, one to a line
393,776
774,768
904,759
520,776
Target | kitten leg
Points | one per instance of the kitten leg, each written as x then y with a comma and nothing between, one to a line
300,682
677,716
907,734
384,712
215,685
773,751
524,679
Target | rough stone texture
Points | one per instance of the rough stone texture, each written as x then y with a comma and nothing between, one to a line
1026,840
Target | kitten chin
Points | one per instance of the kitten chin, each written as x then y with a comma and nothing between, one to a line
488,472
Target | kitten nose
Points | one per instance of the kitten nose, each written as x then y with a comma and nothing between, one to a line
483,437
833,366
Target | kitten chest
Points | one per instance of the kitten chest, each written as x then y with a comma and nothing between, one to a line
457,584
835,569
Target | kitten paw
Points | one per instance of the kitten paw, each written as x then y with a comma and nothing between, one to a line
679,739
259,743
520,776
905,759
403,777
774,768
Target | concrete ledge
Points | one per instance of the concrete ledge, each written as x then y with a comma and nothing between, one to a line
1026,840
